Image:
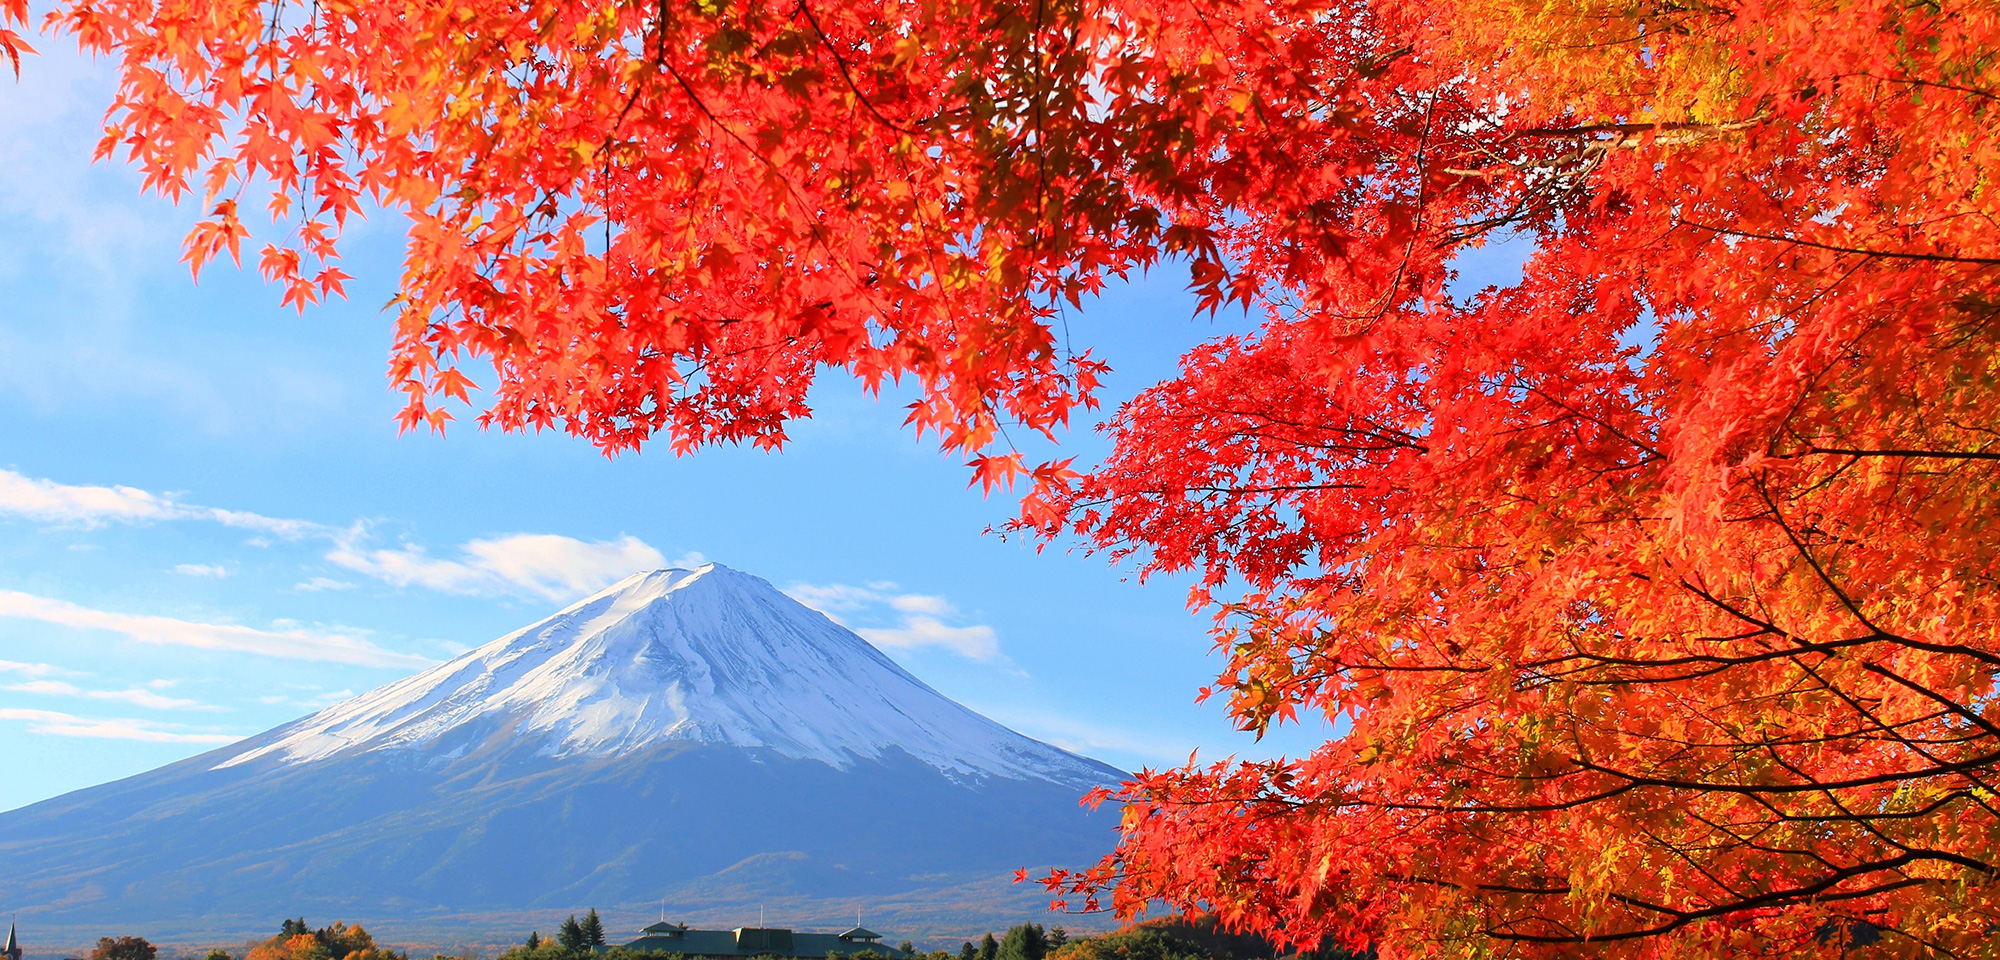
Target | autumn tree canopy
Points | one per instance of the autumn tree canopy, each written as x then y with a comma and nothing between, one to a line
1655,593
123,948
297,941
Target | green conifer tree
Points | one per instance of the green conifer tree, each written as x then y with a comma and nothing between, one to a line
968,952
571,936
989,948
1024,942
593,929
534,939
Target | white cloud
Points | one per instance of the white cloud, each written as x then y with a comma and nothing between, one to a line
135,696
35,669
50,502
833,598
291,644
314,698
51,723
149,699
977,642
919,603
318,584
276,526
53,502
541,564
545,564
920,615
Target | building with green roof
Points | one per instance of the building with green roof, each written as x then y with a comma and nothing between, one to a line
664,937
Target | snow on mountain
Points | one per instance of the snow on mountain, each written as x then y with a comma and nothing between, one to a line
709,655
692,738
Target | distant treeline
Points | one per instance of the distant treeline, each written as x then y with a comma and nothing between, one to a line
1172,938
295,941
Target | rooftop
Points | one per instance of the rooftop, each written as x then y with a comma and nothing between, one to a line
664,937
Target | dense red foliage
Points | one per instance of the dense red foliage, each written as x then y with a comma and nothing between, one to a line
1655,592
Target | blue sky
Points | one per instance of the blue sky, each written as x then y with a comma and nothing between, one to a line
208,524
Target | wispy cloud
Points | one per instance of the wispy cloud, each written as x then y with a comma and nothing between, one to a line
920,603
53,502
35,669
315,700
50,502
544,564
317,584
52,723
836,598
977,641
136,696
921,618
289,643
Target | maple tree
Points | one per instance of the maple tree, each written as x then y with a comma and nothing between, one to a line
1654,592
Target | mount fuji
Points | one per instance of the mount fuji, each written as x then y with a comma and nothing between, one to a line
692,740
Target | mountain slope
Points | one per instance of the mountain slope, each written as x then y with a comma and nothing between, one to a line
709,655
689,735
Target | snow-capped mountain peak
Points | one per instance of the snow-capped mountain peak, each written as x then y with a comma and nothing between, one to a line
709,655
